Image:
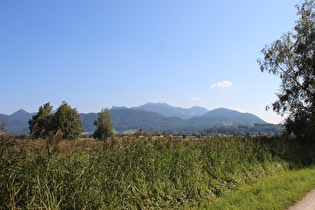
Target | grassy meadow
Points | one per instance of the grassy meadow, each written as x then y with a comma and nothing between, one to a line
140,173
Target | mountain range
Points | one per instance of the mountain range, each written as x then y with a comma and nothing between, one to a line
170,111
150,116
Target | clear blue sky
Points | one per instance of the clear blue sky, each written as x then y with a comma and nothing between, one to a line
103,53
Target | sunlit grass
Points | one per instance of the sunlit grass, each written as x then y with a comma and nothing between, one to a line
276,192
134,173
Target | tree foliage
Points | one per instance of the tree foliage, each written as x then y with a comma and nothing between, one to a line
292,58
66,119
104,127
41,124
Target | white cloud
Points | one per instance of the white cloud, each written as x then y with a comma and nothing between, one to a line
222,84
241,110
195,99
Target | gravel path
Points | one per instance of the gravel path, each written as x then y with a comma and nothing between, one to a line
307,203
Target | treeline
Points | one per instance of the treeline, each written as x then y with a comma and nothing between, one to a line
66,123
240,130
234,129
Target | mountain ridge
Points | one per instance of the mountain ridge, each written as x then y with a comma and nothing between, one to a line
227,117
150,116
21,114
171,111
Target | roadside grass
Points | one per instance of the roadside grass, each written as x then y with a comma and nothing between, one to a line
279,191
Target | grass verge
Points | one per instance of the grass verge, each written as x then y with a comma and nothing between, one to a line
276,192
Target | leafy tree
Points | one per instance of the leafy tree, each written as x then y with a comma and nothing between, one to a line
3,125
292,58
67,120
104,127
41,124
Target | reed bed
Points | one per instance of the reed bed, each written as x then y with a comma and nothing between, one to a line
137,173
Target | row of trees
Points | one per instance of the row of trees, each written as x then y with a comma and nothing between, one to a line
66,120
241,130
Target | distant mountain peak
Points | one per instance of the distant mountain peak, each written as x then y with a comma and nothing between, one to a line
20,111
171,111
21,114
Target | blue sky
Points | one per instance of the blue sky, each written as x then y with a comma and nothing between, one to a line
103,53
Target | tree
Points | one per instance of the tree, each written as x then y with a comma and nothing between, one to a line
104,127
41,124
67,120
3,125
292,58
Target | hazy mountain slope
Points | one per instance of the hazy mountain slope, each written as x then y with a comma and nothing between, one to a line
170,111
130,119
16,123
126,119
21,115
225,116
88,121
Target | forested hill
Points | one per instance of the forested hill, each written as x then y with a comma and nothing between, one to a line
160,119
170,111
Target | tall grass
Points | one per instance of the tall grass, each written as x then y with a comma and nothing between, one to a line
135,173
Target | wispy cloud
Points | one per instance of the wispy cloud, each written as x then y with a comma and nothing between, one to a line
195,99
222,84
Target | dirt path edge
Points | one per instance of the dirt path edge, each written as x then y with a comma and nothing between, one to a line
307,203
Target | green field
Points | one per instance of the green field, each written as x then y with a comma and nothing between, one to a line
141,173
